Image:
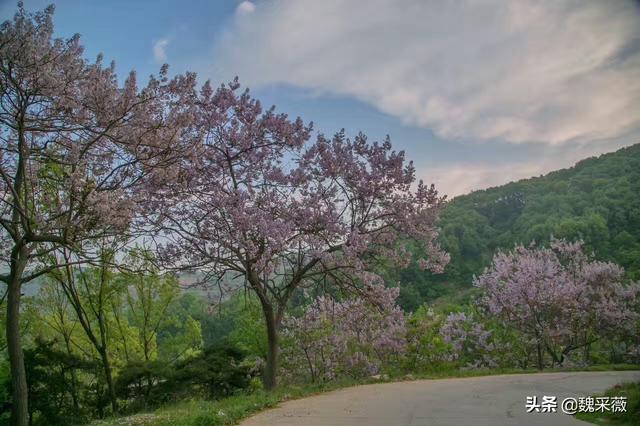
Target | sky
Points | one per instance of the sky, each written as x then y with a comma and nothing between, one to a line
476,92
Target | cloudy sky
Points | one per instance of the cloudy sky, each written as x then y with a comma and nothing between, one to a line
477,93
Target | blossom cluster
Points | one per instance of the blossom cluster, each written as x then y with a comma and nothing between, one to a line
558,298
470,342
354,337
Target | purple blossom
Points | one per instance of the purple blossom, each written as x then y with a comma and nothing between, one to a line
558,298
256,198
353,337
469,342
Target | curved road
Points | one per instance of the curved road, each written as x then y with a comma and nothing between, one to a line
489,400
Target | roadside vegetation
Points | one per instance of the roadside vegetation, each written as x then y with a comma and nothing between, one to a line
631,391
230,411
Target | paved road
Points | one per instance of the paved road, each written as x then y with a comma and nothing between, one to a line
490,400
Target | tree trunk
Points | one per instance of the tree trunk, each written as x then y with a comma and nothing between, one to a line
555,359
586,355
109,378
271,369
20,393
74,377
539,353
310,364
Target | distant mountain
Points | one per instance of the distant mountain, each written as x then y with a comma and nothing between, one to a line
597,200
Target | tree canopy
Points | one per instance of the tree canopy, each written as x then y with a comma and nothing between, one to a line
597,201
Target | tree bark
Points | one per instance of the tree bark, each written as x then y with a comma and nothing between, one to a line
100,345
109,378
586,354
539,353
555,359
273,351
310,364
74,377
103,340
20,407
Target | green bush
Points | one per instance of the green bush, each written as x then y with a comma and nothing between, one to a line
57,396
218,372
144,384
632,415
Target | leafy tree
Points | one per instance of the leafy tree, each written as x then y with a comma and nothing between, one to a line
217,372
53,311
149,295
52,401
336,208
181,334
144,383
92,292
183,342
73,146
248,333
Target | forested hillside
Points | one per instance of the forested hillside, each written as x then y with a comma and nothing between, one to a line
597,200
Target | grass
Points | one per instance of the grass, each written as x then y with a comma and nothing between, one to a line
628,418
227,411
232,410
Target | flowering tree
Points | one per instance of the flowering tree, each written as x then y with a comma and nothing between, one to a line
353,337
469,341
74,146
259,202
558,298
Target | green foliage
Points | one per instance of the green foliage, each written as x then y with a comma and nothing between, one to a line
238,321
142,384
5,391
629,418
249,332
226,411
183,331
426,348
597,201
56,395
149,296
135,317
217,372
184,342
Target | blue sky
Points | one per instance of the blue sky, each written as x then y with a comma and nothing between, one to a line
477,93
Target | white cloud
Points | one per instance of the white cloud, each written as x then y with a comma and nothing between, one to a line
462,178
160,50
245,8
525,71
470,175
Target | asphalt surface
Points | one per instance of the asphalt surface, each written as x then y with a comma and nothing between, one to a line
489,400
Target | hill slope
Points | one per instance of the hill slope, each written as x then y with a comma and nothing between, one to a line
597,200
